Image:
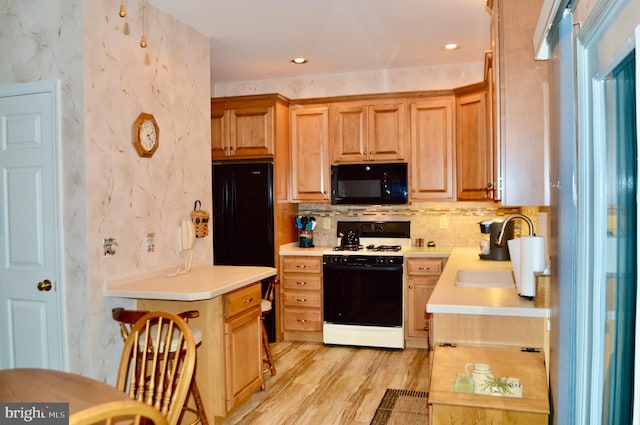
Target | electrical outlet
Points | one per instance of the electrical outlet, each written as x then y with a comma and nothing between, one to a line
444,222
326,223
151,242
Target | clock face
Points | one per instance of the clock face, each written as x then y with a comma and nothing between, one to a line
145,135
148,136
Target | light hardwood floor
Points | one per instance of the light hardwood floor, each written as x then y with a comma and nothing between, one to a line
331,385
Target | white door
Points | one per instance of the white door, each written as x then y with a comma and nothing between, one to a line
31,331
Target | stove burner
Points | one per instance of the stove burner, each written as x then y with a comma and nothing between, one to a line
387,248
348,248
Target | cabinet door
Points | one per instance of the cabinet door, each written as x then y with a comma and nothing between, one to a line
474,150
365,131
349,130
251,131
310,169
432,155
387,132
219,135
243,356
419,291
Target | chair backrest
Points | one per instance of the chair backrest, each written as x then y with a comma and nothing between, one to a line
127,318
157,363
270,292
131,411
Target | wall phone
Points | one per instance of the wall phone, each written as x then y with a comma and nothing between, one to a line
186,235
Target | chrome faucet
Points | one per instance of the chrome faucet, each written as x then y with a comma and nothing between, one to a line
507,220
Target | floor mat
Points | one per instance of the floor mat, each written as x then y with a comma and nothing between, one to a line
402,407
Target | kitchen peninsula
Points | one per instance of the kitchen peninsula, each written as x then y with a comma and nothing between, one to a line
229,366
487,322
483,315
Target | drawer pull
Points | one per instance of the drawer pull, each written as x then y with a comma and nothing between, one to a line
248,300
302,300
301,283
424,268
302,320
301,266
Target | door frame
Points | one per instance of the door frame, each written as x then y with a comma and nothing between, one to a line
602,31
53,87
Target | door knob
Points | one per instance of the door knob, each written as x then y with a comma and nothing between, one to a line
45,285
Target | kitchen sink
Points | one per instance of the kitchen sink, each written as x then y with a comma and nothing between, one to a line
484,278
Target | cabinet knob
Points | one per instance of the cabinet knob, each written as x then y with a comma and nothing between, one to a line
301,266
301,283
410,287
248,300
302,300
302,320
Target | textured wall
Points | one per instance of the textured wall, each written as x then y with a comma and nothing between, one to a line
132,196
106,80
43,40
409,79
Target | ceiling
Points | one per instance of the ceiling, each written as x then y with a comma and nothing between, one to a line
256,39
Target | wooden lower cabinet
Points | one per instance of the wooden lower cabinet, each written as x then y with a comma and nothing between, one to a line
448,407
243,338
422,275
229,359
302,297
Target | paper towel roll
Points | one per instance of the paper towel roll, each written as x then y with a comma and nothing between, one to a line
532,259
514,254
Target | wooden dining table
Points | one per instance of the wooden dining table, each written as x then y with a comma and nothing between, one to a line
53,386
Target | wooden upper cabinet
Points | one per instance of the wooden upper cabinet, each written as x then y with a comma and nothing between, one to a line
432,154
368,131
310,169
474,151
242,131
521,103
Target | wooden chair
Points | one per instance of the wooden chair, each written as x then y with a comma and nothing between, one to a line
267,307
157,363
128,412
126,319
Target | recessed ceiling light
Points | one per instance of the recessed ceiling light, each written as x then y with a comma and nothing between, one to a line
451,46
299,61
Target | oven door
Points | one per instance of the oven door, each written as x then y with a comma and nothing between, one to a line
363,295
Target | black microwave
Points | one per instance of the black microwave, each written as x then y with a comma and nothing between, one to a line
369,183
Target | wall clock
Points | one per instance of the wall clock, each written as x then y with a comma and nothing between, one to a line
146,135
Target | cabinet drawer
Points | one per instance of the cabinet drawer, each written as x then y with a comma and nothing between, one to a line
424,266
302,264
302,320
302,281
242,299
302,299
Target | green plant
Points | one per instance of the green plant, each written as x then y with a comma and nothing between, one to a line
500,385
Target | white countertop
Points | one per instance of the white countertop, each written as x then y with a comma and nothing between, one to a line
293,249
449,298
201,283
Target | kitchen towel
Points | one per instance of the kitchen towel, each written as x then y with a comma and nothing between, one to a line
532,259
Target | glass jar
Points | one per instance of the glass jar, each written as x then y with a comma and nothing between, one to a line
306,238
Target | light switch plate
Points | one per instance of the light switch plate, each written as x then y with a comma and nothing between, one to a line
326,223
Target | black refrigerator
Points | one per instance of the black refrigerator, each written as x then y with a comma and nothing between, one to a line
242,217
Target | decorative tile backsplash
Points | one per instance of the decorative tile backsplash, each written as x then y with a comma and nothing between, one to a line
447,224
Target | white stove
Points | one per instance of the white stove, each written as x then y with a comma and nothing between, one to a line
363,289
